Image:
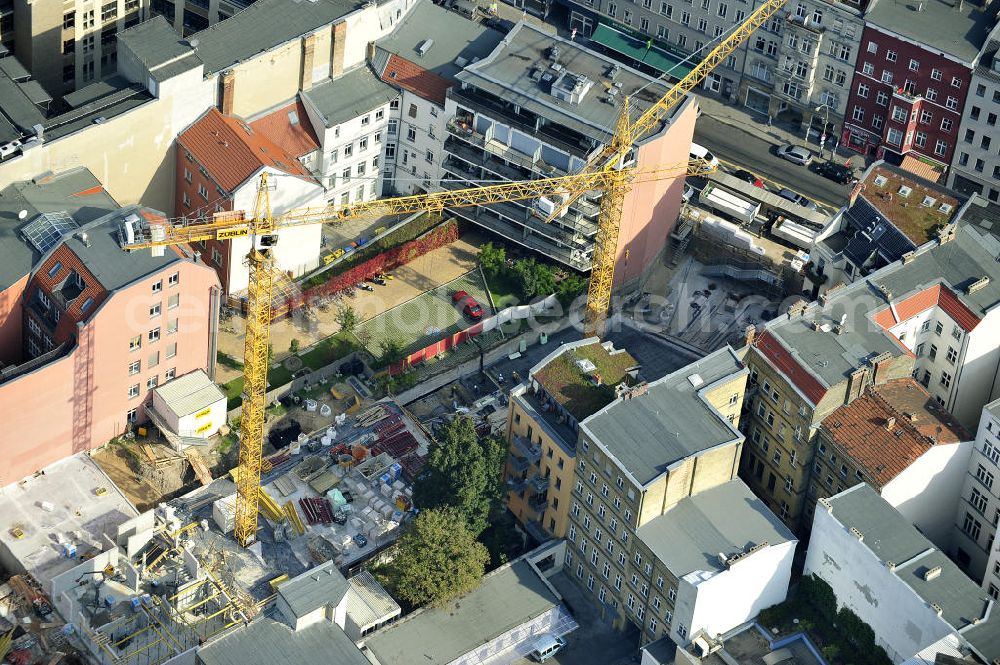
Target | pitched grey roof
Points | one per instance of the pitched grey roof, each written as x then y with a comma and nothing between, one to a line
268,642
960,33
454,36
506,73
159,48
262,26
831,357
59,193
313,589
508,597
727,519
891,537
355,93
649,433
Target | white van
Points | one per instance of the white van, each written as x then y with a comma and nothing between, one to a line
701,152
546,646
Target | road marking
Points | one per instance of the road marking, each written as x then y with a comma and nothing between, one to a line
737,167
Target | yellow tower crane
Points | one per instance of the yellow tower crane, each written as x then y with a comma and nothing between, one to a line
605,172
262,227
610,159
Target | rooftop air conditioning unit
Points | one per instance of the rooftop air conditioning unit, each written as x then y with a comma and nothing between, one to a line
424,46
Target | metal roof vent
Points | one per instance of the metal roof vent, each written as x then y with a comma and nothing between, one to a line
424,46
696,380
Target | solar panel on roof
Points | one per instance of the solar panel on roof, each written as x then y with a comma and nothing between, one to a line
45,231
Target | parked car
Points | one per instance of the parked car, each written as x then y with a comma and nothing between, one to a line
795,197
746,176
701,152
796,154
836,172
546,646
470,307
499,24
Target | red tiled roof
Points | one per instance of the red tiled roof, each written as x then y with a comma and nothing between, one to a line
784,362
959,313
416,79
922,301
296,137
232,152
69,262
861,428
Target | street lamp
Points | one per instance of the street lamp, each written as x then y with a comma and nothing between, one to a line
826,122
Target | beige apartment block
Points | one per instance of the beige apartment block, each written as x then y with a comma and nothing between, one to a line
69,45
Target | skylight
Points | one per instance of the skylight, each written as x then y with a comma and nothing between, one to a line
45,231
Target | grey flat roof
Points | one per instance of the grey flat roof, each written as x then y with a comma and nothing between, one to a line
17,108
505,73
831,357
994,408
891,537
506,598
267,642
96,91
113,267
727,519
649,433
960,33
355,93
313,589
453,35
262,26
60,193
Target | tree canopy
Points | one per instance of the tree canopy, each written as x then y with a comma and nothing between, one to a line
492,259
437,559
464,472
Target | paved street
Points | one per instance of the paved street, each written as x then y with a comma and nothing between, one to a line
756,155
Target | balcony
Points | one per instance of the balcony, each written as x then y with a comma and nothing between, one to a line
908,97
538,504
517,485
540,484
803,23
518,464
530,452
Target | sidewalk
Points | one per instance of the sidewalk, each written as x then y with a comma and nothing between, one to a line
755,124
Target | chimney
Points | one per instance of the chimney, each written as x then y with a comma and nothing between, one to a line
946,233
890,565
749,334
890,423
856,384
978,285
880,366
308,53
932,573
228,84
937,609
857,534
338,42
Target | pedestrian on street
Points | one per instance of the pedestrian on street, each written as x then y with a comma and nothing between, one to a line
768,119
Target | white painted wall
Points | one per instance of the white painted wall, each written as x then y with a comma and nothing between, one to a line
978,372
720,602
927,491
298,247
203,423
985,453
413,170
903,623
370,24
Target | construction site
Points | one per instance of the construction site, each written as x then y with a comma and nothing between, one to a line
141,589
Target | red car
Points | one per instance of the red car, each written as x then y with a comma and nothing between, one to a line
470,307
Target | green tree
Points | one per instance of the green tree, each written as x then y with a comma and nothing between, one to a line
347,318
392,352
569,288
464,472
437,559
293,346
493,260
534,278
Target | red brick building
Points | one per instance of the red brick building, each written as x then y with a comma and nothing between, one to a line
911,78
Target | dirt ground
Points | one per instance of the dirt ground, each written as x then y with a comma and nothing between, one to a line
422,274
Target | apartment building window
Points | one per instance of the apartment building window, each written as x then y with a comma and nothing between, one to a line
666,10
886,77
69,20
153,335
951,103
926,117
991,452
932,94
978,501
133,391
940,147
216,256
985,477
152,382
135,343
612,9
921,139
971,526
88,19
69,46
109,11
956,332
154,311
868,69
702,25
946,124
172,326
952,355
186,199
662,32
882,98
134,367
863,91
411,134
363,144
